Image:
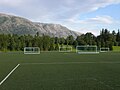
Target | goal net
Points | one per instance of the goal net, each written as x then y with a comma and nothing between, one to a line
31,50
104,49
65,49
86,49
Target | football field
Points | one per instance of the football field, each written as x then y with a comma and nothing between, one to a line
60,71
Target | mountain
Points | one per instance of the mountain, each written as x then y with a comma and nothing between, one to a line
10,24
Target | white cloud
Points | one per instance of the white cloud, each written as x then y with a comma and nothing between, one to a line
99,20
67,9
95,20
94,31
11,3
66,12
55,9
93,24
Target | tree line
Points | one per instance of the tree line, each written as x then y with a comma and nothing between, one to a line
15,42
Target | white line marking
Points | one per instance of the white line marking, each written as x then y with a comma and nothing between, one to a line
72,63
9,74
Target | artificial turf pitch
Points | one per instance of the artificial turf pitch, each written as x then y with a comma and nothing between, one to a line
60,71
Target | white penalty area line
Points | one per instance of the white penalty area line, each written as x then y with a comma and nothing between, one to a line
9,74
70,63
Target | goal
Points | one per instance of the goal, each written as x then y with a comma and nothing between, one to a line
65,49
31,50
104,49
86,49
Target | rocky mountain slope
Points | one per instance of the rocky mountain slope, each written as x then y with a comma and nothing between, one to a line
10,24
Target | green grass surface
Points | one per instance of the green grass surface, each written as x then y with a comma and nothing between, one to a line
116,48
61,71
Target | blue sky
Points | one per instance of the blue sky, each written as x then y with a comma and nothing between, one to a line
78,15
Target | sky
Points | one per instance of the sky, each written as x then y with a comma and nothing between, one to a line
78,15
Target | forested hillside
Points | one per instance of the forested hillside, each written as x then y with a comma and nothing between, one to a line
46,43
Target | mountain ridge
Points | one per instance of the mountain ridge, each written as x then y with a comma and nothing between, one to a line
10,24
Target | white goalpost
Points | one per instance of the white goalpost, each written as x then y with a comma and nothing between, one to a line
104,49
31,50
65,49
86,49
